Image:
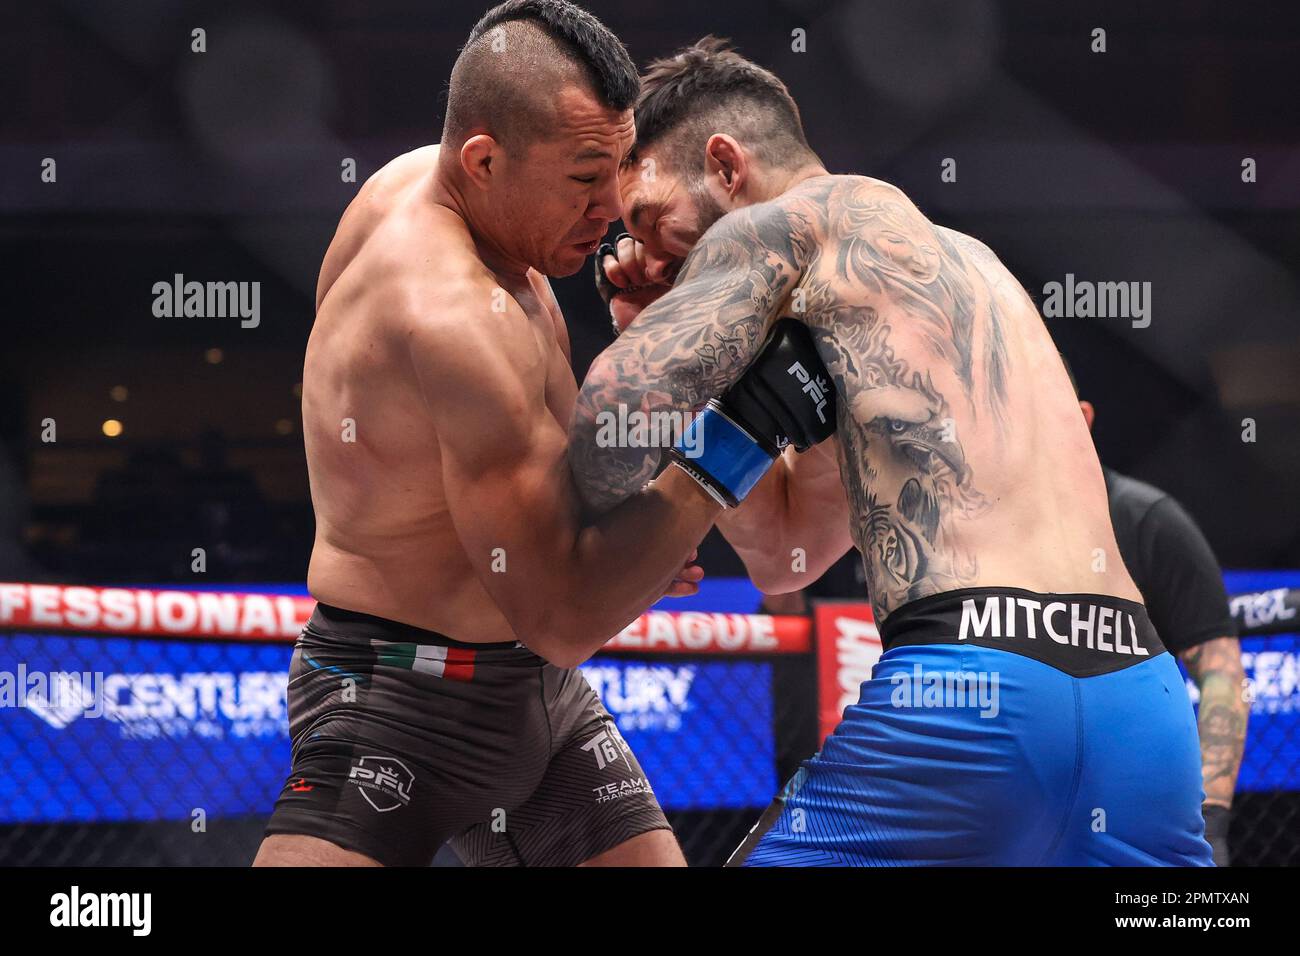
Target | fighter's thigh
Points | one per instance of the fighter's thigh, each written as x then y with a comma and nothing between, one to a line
1140,793
389,763
301,850
593,799
914,778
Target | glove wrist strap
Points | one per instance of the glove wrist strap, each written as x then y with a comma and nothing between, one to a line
722,456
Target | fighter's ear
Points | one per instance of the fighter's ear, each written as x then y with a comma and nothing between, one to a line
726,163
477,156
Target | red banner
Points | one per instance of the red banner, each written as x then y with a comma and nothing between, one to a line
848,646
280,617
698,632
59,607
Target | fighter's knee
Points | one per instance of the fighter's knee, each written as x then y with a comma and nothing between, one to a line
652,848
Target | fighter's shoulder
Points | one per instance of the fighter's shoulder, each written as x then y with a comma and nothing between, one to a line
465,333
974,250
401,169
854,189
845,204
378,198
461,310
469,347
432,274
788,226
862,194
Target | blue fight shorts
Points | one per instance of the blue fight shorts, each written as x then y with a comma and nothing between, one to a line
1002,728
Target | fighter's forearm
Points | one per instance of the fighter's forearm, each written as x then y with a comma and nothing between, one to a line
626,560
636,400
1223,714
756,528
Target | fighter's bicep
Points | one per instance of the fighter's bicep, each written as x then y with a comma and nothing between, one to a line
470,389
501,451
504,489
514,523
505,482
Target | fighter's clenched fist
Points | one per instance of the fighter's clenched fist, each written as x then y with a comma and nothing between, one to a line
629,280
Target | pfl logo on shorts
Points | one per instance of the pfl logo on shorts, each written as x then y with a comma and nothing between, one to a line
608,747
385,783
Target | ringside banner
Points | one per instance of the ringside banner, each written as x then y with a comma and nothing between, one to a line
141,704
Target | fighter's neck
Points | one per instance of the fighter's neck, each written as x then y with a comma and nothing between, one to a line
448,191
776,182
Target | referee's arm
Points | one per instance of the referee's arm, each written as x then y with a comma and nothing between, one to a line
1215,665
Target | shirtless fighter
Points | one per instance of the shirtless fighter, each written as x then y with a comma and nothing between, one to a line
432,695
1024,710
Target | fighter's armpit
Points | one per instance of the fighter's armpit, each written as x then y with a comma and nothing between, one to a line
692,344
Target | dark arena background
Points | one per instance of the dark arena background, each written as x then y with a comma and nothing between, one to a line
155,520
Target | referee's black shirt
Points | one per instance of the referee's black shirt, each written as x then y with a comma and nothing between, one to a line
1171,563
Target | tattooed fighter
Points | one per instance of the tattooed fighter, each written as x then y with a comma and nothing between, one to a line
1023,697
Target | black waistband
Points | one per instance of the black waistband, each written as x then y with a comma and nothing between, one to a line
330,621
1081,634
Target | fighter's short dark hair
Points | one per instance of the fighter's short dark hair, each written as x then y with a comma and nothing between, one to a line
506,91
709,88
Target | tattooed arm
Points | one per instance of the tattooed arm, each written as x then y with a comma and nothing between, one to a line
689,346
1216,668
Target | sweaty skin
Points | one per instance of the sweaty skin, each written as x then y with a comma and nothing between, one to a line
435,398
385,542
960,448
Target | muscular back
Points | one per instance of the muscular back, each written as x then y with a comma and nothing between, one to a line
403,272
963,453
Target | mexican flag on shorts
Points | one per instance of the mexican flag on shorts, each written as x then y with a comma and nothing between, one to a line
452,663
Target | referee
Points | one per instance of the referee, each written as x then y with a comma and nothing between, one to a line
1182,584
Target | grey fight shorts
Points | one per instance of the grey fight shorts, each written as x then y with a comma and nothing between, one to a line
404,739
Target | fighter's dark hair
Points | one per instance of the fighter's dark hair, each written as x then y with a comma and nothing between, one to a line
484,87
709,88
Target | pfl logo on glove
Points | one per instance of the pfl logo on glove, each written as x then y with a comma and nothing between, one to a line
814,388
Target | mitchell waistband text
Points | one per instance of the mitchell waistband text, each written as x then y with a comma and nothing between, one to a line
1067,623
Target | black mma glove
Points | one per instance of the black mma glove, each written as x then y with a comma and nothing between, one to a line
784,398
